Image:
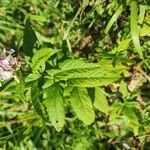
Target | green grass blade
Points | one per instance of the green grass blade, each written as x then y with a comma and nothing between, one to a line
114,18
134,28
66,34
142,14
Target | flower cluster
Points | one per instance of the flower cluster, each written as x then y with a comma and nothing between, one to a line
8,65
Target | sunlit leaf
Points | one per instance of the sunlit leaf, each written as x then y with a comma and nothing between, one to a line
54,105
40,57
82,105
100,101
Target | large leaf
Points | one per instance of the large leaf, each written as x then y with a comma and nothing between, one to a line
82,105
54,105
79,73
100,101
40,57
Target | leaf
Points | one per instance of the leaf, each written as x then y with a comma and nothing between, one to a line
79,73
48,82
36,96
92,82
42,38
114,18
123,89
29,39
129,110
116,109
100,101
54,105
77,64
32,77
134,28
145,31
38,18
123,45
82,105
99,8
40,57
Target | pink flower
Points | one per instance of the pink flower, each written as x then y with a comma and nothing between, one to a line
5,75
8,65
5,64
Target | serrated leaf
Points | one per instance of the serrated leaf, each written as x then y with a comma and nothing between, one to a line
77,64
82,105
92,82
40,57
54,105
82,74
36,96
100,101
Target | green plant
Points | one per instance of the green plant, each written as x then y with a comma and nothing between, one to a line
84,79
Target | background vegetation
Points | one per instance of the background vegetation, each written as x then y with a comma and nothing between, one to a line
84,77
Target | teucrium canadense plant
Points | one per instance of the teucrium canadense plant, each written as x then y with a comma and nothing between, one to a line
76,75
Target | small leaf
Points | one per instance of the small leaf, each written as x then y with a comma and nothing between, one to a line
99,8
145,31
129,110
123,45
32,77
82,105
40,57
123,89
38,18
100,101
54,105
